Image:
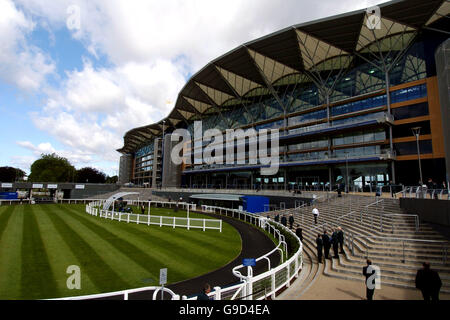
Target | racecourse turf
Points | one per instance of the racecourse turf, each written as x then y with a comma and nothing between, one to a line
39,242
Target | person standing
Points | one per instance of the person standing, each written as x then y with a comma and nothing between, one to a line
369,290
335,243
204,295
299,232
283,220
326,244
277,218
319,246
429,282
315,213
340,238
291,220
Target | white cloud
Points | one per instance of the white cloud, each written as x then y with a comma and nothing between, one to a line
21,64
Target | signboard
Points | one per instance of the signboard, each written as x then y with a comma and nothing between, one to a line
249,262
7,185
52,186
37,186
163,276
79,186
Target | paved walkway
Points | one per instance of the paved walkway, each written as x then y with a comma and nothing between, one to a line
329,288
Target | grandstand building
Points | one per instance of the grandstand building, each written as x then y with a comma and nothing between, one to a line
344,93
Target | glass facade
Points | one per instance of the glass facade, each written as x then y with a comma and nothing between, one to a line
330,106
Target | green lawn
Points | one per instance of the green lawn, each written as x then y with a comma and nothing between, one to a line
39,242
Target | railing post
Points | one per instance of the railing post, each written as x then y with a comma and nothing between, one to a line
218,293
272,284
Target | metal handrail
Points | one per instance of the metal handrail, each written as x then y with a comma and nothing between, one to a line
403,240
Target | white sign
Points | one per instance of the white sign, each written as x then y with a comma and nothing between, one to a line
7,185
163,276
79,186
52,186
37,186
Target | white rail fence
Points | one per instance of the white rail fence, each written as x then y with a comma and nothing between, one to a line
93,208
250,286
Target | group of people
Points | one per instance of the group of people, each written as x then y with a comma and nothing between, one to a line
284,220
324,243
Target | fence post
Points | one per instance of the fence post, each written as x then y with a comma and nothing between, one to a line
160,221
272,283
204,224
218,292
174,222
128,218
137,221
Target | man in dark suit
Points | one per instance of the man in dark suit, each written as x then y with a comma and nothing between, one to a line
429,282
340,238
283,220
369,290
299,232
204,295
277,218
335,243
291,220
326,244
319,247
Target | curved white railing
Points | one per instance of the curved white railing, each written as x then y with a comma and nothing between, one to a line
174,222
267,284
125,294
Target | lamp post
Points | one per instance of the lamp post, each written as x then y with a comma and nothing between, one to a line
416,133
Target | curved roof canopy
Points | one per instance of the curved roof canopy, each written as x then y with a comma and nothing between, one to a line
287,55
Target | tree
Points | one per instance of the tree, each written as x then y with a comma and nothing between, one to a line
90,175
52,168
112,180
10,174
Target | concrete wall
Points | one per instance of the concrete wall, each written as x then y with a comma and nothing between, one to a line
125,168
171,173
273,200
433,211
90,189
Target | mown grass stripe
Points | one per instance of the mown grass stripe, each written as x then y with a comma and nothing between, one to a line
10,256
185,243
101,274
37,280
195,238
60,256
139,256
4,218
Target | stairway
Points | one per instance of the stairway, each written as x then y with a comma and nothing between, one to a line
375,230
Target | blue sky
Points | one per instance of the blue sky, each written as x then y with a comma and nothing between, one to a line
76,91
